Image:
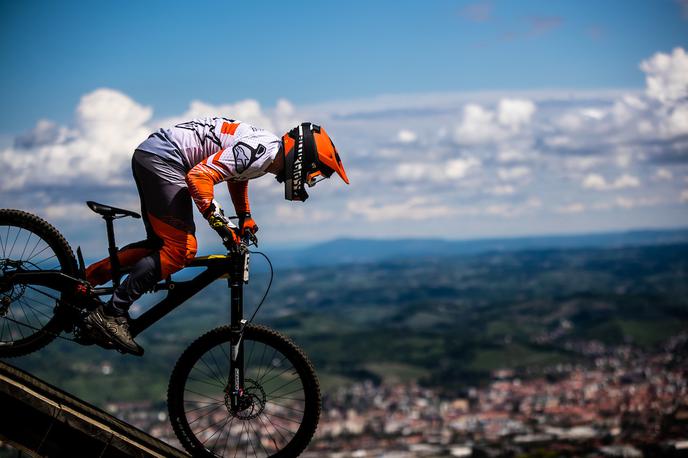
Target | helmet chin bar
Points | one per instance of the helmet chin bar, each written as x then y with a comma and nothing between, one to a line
301,163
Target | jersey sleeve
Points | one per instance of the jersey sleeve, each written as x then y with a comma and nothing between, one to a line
238,191
246,153
201,180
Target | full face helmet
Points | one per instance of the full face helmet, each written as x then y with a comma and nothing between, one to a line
309,157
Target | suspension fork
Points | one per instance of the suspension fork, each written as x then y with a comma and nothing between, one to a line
238,276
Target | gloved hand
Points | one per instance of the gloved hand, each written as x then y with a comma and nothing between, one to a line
246,223
222,225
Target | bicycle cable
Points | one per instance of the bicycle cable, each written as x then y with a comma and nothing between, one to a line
73,339
267,290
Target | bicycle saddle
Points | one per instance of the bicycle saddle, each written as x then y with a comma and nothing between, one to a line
109,211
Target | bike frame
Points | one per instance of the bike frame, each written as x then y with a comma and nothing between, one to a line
233,265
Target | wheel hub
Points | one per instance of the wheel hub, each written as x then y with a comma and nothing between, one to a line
251,402
9,292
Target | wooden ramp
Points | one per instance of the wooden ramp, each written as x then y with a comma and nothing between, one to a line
42,420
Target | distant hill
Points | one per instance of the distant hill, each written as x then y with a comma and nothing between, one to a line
447,321
354,251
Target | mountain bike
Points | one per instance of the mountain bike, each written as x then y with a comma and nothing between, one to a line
240,389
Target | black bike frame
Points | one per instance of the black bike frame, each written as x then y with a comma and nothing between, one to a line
233,265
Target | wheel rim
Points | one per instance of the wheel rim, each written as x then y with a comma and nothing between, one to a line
24,309
274,402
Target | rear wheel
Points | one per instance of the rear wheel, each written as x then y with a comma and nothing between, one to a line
27,312
281,401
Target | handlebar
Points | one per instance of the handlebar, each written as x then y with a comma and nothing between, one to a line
227,236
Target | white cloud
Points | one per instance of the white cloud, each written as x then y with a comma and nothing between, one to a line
438,172
514,113
595,181
667,76
477,126
582,163
406,136
684,196
247,110
480,125
471,157
626,181
599,183
414,171
663,174
108,126
458,168
416,208
511,155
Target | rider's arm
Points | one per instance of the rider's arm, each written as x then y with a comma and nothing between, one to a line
201,179
238,190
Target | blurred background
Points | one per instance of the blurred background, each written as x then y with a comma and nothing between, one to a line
507,273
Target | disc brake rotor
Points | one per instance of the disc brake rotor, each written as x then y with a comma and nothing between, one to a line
251,403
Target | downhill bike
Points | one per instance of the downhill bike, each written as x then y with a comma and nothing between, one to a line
240,389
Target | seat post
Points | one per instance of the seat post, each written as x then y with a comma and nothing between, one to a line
112,250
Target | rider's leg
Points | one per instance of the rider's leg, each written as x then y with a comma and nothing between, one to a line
100,272
178,249
168,216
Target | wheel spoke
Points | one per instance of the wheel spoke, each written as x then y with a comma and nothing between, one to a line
272,408
9,255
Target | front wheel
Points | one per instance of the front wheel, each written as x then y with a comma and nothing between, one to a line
281,391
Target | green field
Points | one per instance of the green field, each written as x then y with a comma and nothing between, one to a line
446,322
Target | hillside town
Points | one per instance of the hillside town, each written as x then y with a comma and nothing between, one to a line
625,402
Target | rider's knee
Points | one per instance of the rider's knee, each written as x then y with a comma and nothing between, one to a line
176,256
191,249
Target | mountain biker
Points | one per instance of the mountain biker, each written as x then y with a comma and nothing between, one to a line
181,164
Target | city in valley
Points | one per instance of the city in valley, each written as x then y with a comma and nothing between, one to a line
626,402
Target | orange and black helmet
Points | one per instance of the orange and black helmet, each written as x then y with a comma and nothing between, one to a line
309,156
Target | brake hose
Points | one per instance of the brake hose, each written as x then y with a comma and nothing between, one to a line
267,290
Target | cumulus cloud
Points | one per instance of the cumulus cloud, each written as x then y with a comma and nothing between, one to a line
248,110
416,208
480,125
406,136
663,174
450,170
667,76
514,113
107,127
452,157
458,168
97,149
477,126
599,183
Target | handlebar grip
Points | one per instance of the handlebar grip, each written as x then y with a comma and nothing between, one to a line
226,235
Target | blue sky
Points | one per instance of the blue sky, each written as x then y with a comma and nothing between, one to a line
454,119
166,53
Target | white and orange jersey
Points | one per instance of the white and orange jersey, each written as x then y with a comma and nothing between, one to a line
216,149
235,150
